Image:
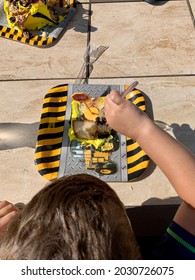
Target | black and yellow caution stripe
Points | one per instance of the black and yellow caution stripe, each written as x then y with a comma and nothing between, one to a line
137,159
16,35
51,128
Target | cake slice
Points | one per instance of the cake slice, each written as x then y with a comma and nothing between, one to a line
85,129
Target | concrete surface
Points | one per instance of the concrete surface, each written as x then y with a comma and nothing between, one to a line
153,44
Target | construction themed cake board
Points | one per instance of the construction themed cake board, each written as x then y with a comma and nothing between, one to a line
56,155
39,38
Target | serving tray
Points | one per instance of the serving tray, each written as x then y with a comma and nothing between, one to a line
36,39
54,153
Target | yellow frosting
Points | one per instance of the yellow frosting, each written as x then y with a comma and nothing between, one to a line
32,22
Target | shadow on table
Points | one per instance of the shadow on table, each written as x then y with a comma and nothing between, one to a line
150,222
157,2
185,135
18,135
80,22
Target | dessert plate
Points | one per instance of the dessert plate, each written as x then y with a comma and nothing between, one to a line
56,155
40,38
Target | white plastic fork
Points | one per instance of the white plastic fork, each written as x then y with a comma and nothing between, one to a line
91,55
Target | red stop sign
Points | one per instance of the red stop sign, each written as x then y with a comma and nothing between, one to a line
81,97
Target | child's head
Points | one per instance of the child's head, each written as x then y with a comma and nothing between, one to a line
74,217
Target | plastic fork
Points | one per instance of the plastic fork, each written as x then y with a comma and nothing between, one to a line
91,55
129,89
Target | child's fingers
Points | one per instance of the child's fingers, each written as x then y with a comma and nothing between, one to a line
6,208
115,97
3,203
4,222
7,219
7,212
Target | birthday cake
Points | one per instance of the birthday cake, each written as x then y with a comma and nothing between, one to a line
28,15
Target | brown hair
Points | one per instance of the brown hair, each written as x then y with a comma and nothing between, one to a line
74,217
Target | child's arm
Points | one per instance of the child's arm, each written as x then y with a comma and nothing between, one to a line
7,212
176,162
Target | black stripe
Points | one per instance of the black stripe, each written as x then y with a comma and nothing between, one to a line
56,94
48,170
135,174
46,125
52,114
134,97
134,152
130,142
141,159
34,43
39,15
46,148
54,104
47,159
47,136
27,40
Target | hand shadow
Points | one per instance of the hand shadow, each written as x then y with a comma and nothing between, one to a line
18,135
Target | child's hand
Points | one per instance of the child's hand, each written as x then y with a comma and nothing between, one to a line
123,116
7,212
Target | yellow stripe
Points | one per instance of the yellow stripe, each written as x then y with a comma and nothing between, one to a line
135,157
15,37
58,89
132,94
40,42
143,108
51,130
44,154
47,142
53,164
52,119
12,31
50,176
141,165
50,40
23,40
4,29
7,35
32,41
132,147
55,99
53,109
139,99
